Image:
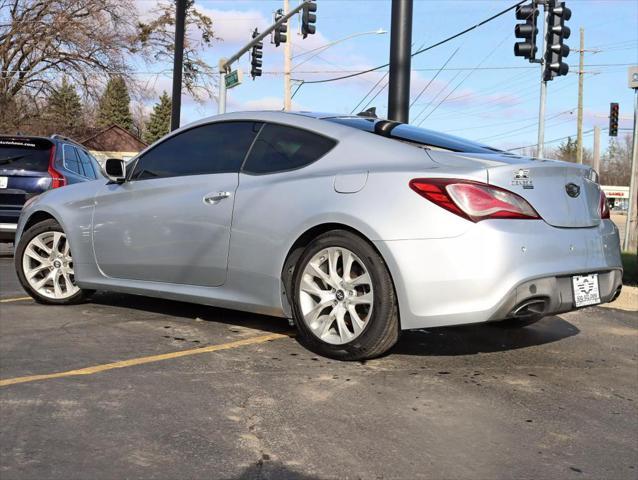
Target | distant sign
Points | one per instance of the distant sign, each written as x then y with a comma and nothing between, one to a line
615,192
233,78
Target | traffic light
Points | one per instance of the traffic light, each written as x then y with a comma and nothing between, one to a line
527,31
281,30
556,33
255,57
613,119
309,19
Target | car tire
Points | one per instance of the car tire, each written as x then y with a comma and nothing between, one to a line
365,319
36,260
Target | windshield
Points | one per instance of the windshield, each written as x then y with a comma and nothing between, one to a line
415,135
24,154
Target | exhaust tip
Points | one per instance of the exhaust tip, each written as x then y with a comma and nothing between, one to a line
616,294
533,307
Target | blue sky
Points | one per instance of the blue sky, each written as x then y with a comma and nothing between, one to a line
496,103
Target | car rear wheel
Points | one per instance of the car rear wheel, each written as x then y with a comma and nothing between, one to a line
343,298
44,264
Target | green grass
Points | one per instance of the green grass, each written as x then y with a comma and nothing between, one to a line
630,265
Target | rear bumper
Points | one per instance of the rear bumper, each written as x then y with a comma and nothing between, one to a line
7,231
486,273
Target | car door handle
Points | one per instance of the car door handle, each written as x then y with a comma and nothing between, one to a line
214,198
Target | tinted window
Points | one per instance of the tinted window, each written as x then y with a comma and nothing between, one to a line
71,160
86,164
280,148
24,154
420,136
213,148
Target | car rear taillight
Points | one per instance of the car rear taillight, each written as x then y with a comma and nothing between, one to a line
474,201
603,206
57,179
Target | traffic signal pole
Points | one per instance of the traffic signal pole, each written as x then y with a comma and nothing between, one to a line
540,147
400,61
287,65
178,63
224,64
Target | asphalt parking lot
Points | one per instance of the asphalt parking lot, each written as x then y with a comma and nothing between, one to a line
131,387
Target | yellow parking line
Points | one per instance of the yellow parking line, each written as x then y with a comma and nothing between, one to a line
17,299
142,360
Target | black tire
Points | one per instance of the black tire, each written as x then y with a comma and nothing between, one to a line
382,329
37,229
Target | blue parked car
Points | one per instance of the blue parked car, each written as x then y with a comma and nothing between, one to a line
32,165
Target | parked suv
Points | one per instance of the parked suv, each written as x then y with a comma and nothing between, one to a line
32,165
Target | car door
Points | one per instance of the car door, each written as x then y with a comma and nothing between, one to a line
170,221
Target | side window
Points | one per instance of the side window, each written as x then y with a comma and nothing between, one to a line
280,148
86,164
71,160
212,148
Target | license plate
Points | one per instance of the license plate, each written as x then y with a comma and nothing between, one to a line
586,290
4,181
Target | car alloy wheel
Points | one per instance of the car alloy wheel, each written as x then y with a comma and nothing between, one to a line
336,296
48,266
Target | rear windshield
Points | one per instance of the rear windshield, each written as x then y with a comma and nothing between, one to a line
24,154
414,135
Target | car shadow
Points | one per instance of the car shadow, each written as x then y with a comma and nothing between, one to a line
442,341
482,338
192,311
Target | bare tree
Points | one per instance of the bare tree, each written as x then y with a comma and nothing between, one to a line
615,168
157,39
87,41
42,39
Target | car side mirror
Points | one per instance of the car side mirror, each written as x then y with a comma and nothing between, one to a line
115,170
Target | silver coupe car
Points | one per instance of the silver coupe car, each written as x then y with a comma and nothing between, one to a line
354,227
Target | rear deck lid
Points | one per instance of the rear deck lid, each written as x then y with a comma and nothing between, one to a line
564,194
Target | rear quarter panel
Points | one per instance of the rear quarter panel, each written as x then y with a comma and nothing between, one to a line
272,211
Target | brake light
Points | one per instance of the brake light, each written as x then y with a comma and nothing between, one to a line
474,201
57,179
603,206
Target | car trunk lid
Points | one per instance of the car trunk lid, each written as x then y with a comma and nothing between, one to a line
564,194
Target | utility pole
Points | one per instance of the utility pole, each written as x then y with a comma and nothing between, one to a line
581,74
631,227
287,63
540,147
178,63
400,61
221,100
596,159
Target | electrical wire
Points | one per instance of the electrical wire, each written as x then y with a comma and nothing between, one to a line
422,50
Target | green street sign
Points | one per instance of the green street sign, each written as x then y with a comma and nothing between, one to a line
233,78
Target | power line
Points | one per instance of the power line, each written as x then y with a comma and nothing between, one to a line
466,77
588,132
418,52
526,127
434,77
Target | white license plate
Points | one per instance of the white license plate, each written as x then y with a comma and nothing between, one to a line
586,290
4,181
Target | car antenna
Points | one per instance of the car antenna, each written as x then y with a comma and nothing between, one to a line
370,113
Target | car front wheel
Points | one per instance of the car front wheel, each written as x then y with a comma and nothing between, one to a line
343,298
44,264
